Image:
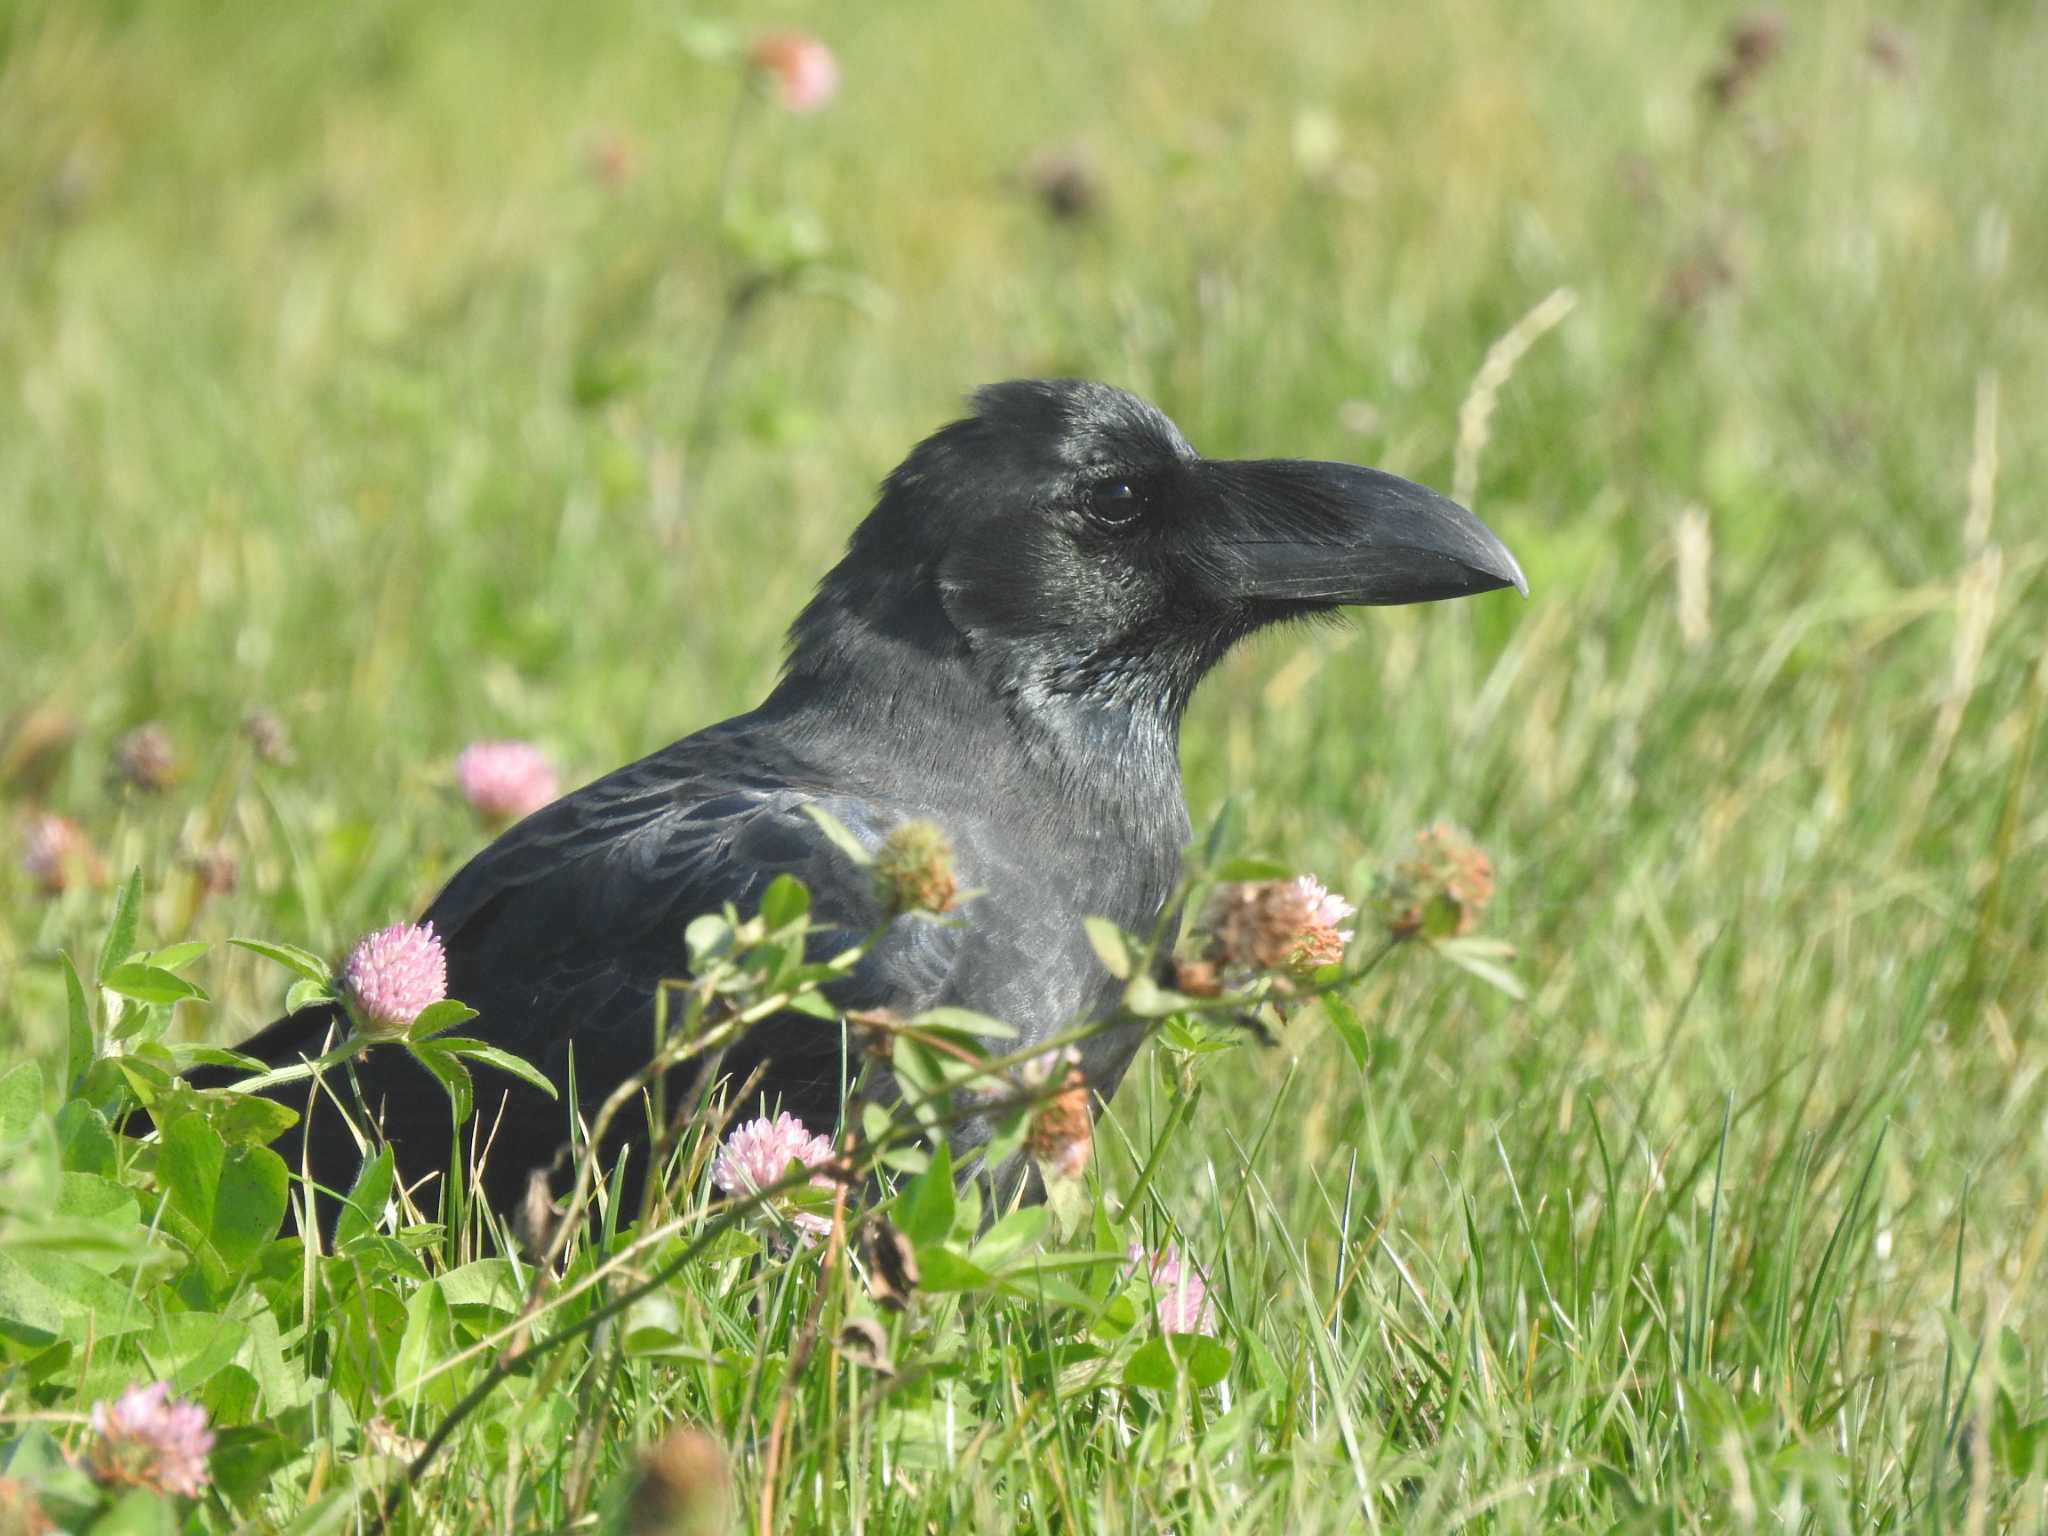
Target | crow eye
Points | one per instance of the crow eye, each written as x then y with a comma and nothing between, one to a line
1114,503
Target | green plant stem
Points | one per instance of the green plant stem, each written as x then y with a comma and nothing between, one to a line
351,1047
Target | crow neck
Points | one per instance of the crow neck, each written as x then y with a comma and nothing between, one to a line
930,719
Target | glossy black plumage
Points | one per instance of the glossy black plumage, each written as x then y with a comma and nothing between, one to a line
1006,649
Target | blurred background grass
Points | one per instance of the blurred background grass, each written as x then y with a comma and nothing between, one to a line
351,358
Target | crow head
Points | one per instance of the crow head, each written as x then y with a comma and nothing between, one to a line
1066,541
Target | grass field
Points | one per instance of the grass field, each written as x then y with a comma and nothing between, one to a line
422,374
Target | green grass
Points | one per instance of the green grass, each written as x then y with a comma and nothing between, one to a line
337,384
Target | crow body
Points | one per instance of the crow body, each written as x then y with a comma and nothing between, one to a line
1006,650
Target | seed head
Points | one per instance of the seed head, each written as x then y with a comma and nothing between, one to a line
759,1153
914,870
1179,1291
892,1273
393,975
145,1439
1440,888
801,69
383,1438
864,1342
537,1220
505,780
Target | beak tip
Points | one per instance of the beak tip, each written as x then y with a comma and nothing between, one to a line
1486,555
1502,565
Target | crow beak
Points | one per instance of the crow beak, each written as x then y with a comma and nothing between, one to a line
1330,535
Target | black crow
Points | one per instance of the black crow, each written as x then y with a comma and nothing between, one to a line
1006,650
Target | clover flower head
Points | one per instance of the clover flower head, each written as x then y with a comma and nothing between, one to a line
1754,41
1179,1290
1320,940
684,1487
1064,182
614,159
1888,48
800,67
758,1154
217,869
145,759
266,733
1061,1134
393,975
505,780
20,1512
55,853
913,870
1442,886
147,1439
1276,925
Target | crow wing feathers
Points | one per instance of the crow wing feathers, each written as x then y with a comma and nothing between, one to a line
563,928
